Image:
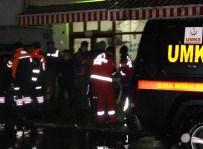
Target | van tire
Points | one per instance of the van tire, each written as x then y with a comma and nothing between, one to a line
192,133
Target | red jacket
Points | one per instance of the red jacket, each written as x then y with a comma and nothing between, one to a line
36,53
38,65
18,55
103,68
125,67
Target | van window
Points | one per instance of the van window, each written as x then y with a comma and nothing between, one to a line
146,61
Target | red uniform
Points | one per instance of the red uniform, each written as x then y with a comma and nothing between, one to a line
38,75
21,74
101,77
125,73
125,67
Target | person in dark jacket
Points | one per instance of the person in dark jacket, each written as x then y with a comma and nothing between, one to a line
125,75
20,70
65,79
52,58
38,66
81,69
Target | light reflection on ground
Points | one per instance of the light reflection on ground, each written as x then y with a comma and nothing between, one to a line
80,138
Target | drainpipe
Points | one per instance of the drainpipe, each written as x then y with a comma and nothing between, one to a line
25,4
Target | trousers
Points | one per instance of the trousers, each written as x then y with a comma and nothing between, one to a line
105,96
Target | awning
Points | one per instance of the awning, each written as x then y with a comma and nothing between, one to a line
156,12
146,9
40,19
114,10
39,15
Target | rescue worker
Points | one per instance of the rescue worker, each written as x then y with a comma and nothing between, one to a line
65,80
21,75
98,48
28,48
81,69
125,75
38,66
101,76
20,69
52,58
5,78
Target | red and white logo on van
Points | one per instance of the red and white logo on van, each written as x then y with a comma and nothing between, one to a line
193,35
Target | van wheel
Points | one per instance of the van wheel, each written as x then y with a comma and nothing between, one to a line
193,137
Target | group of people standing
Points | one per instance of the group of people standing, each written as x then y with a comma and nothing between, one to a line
24,86
87,76
95,71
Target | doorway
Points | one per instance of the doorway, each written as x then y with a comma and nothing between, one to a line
92,40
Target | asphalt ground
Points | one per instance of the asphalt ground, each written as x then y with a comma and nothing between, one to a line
67,136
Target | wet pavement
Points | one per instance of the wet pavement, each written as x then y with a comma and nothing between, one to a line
63,136
55,131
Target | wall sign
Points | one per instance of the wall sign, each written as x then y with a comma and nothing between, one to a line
193,35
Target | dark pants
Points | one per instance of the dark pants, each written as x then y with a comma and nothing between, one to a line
126,93
22,88
65,85
50,88
38,96
22,99
51,84
80,100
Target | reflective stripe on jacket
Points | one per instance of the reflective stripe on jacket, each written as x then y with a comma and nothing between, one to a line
102,68
125,67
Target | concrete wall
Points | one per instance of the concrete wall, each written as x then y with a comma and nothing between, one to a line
11,34
60,35
9,9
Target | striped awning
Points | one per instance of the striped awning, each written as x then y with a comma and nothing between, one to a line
155,12
39,19
113,10
40,15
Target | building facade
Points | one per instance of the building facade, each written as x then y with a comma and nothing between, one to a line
117,22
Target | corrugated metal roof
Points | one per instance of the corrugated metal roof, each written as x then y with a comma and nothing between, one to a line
65,8
151,3
109,4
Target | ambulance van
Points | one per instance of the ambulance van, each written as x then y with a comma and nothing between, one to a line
168,79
